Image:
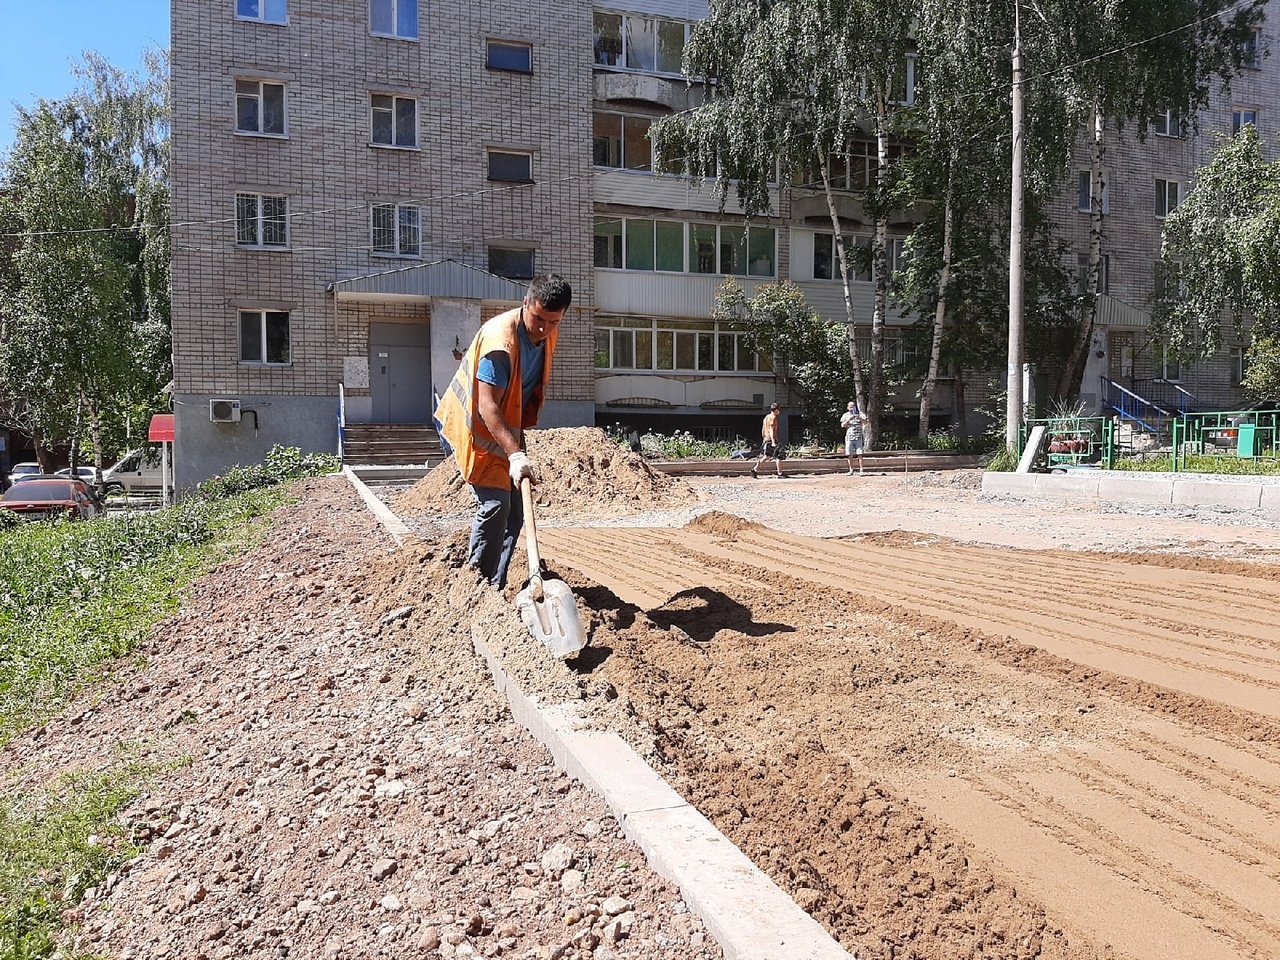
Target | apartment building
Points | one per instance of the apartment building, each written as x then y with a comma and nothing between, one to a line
358,184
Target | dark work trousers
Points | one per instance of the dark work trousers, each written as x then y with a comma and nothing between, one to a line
499,517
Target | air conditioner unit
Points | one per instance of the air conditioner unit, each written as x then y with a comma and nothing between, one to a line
224,411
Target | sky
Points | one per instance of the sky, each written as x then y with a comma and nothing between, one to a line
41,39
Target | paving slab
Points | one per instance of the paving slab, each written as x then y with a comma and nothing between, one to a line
390,522
1270,500
1215,493
1015,484
1115,486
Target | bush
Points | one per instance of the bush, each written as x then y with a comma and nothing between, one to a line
8,519
1003,460
282,464
681,445
1200,463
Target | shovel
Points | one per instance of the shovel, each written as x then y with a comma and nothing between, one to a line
547,606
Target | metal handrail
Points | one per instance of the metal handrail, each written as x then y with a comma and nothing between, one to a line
1139,415
342,417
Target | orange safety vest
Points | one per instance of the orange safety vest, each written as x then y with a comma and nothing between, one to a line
480,460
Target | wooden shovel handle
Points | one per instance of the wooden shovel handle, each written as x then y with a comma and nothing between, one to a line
531,534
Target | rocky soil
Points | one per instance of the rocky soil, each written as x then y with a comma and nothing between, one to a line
337,787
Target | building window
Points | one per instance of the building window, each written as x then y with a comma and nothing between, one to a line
1082,274
512,263
1168,196
904,82
394,18
621,142
676,247
856,168
261,220
1168,365
1084,193
511,167
1168,123
648,44
1251,50
1242,117
397,230
1239,365
693,346
826,259
264,336
394,120
264,11
260,107
508,56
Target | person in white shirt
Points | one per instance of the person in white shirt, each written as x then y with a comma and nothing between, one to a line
854,439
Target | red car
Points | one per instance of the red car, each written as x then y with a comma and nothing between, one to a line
45,498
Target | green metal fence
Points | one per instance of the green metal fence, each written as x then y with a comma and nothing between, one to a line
1074,441
1243,434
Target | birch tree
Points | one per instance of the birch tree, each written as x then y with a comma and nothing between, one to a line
794,82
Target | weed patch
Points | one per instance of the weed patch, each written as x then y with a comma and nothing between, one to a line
55,846
1200,463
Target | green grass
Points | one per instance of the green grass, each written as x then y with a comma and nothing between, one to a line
1198,463
56,845
74,595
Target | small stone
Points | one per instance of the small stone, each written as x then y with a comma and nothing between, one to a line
194,892
571,880
390,903
429,939
558,859
414,709
330,897
397,614
384,868
615,905
307,906
475,923
524,893
391,789
591,829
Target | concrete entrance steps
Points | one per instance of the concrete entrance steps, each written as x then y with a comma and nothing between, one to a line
391,444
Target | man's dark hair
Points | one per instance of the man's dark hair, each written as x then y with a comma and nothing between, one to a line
551,290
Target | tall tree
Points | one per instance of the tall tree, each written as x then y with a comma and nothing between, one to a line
86,322
1221,253
1122,63
795,83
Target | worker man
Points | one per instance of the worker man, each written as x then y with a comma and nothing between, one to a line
495,396
769,442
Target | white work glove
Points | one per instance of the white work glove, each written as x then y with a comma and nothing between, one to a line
520,468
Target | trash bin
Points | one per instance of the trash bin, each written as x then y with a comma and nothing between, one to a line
1247,440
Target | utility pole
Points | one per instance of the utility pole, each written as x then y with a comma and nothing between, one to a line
1013,380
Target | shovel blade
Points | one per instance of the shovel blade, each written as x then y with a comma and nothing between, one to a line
554,620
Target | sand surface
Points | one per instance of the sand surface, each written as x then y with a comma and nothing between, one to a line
951,750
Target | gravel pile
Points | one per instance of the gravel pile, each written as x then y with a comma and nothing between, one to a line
335,785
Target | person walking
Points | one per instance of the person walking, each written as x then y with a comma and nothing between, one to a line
854,437
494,397
769,442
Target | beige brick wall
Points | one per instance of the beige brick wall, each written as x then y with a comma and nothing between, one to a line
330,173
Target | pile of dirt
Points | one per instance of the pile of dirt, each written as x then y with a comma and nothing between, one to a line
581,472
720,524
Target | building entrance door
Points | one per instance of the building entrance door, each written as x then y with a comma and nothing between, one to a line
400,372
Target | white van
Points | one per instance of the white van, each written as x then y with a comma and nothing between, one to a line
137,472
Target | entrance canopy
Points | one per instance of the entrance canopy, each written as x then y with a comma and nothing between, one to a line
422,281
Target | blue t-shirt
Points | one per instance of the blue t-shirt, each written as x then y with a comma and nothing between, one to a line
495,367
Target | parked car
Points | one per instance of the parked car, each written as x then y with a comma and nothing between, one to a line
24,471
89,476
46,498
137,471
